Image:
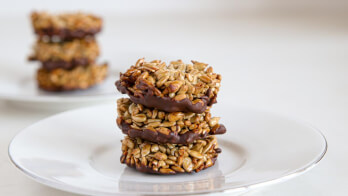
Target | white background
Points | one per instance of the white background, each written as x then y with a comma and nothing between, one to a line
288,57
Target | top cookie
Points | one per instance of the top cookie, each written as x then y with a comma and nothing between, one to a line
178,87
65,26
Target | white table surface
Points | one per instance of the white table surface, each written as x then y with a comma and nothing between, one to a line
283,62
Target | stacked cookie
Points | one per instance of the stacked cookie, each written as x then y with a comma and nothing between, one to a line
67,50
167,117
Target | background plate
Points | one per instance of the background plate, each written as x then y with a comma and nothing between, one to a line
20,88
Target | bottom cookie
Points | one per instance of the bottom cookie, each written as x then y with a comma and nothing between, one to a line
77,78
149,157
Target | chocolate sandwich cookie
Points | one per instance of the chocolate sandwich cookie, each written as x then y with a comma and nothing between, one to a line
65,26
65,55
178,87
149,157
77,78
158,126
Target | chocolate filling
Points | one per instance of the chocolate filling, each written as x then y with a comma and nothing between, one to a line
62,88
167,104
67,34
67,65
147,169
172,137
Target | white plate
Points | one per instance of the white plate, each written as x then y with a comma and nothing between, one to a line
19,87
79,150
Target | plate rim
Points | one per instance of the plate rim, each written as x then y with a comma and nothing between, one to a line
77,190
55,98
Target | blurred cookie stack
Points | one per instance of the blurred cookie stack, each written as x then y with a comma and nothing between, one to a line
167,117
67,51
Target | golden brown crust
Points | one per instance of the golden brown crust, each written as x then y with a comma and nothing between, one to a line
77,78
158,126
169,159
178,87
65,51
71,21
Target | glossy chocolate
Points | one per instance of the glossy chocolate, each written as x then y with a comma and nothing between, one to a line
167,104
172,137
68,65
67,34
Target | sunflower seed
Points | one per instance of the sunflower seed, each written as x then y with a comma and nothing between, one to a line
139,117
187,164
154,148
167,171
160,156
145,150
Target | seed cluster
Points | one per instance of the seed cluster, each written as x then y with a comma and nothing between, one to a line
42,20
169,158
67,51
140,117
78,78
177,80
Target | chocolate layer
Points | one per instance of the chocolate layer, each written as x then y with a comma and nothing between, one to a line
149,99
67,34
146,169
172,137
61,88
68,65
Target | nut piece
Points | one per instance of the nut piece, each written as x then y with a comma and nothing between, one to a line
160,156
145,150
166,171
139,117
178,169
175,116
214,121
195,154
187,164
154,148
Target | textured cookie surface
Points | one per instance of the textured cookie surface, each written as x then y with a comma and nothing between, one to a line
154,125
65,26
150,157
65,55
77,78
178,87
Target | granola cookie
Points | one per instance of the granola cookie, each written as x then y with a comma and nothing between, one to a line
149,157
178,87
158,126
65,26
78,78
66,55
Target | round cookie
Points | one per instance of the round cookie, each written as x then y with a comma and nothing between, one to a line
65,26
154,125
150,157
65,55
178,87
77,78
